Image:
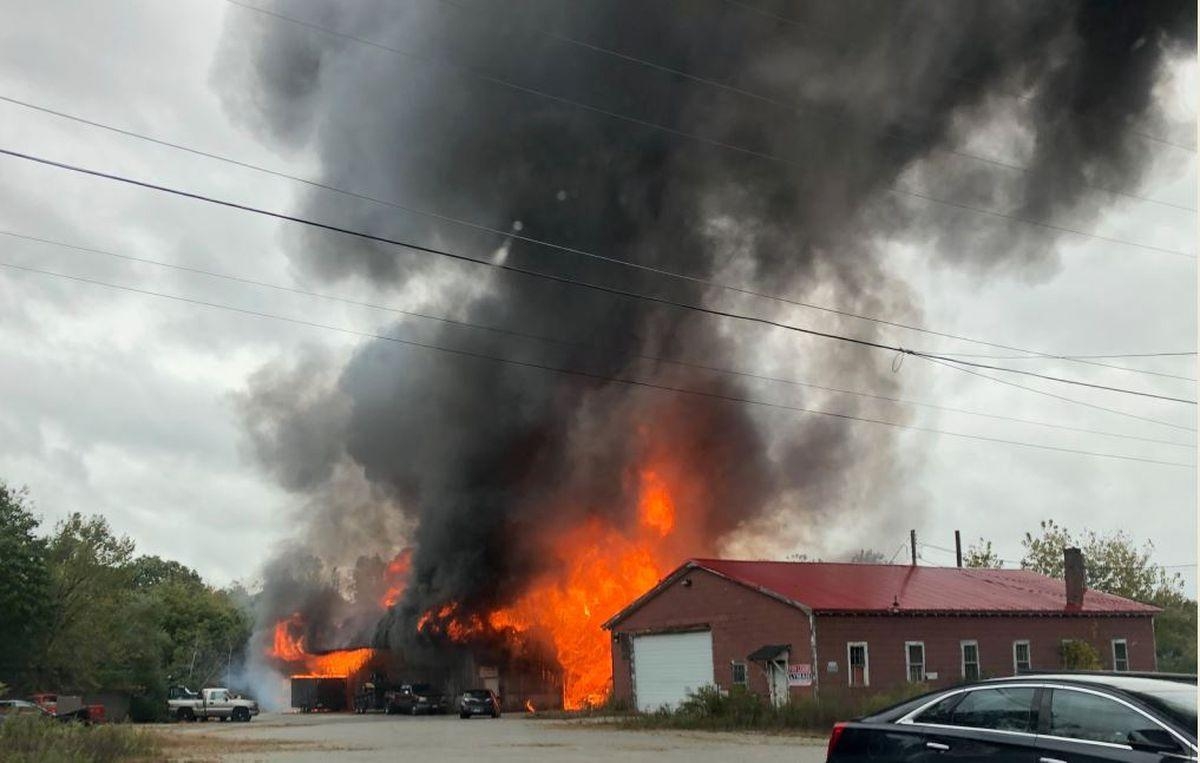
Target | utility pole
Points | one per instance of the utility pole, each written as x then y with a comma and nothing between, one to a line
912,541
958,547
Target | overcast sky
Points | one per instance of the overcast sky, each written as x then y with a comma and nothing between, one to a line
123,404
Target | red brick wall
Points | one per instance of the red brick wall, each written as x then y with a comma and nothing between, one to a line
885,636
741,621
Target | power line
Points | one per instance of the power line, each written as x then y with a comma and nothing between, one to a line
951,364
556,341
555,278
796,108
1077,358
1015,96
540,242
1191,353
585,374
501,82
1047,377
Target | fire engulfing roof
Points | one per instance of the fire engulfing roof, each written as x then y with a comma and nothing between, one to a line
829,588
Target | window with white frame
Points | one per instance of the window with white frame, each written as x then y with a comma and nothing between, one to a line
1120,651
914,661
859,672
1021,660
970,660
738,671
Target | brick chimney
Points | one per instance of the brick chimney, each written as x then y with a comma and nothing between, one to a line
1076,576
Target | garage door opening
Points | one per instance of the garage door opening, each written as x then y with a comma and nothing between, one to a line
668,666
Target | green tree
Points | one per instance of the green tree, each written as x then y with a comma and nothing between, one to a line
1175,632
149,571
95,636
25,611
1079,655
981,556
1116,565
206,631
79,612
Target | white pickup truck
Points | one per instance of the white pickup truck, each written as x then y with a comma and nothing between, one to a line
186,705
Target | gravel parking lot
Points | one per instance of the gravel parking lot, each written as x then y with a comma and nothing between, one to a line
275,737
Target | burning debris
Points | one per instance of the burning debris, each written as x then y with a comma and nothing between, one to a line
533,505
288,648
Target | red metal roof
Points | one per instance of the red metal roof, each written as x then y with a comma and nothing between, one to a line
825,587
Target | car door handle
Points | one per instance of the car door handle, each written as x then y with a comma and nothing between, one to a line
937,746
1051,760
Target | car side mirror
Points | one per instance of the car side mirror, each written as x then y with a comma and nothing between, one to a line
1152,740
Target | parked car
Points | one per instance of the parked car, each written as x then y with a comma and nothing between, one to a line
21,707
479,702
415,699
184,704
1052,718
87,714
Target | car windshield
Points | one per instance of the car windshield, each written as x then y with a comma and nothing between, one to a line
1179,704
477,694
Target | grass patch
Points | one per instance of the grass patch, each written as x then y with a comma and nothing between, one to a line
739,710
33,739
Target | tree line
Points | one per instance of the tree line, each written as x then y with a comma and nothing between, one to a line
83,612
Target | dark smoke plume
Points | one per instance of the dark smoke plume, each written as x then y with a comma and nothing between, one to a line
486,460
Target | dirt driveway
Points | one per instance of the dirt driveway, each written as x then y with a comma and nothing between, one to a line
274,737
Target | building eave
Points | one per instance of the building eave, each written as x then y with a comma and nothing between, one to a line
681,571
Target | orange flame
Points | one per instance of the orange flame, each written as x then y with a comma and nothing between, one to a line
396,577
602,569
287,647
657,509
529,708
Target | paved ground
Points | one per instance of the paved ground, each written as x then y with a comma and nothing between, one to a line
273,737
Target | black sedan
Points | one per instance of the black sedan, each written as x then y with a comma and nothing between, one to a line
479,702
1053,718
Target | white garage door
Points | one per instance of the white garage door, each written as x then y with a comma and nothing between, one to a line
666,666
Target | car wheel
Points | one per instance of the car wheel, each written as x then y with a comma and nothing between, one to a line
412,710
185,714
241,714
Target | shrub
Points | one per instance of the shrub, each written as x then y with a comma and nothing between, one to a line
33,739
1079,655
711,709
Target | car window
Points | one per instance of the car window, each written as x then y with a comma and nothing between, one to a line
1002,709
939,712
1082,715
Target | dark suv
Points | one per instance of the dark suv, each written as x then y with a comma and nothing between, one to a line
1080,718
417,699
479,702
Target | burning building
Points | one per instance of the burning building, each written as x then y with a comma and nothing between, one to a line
548,450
